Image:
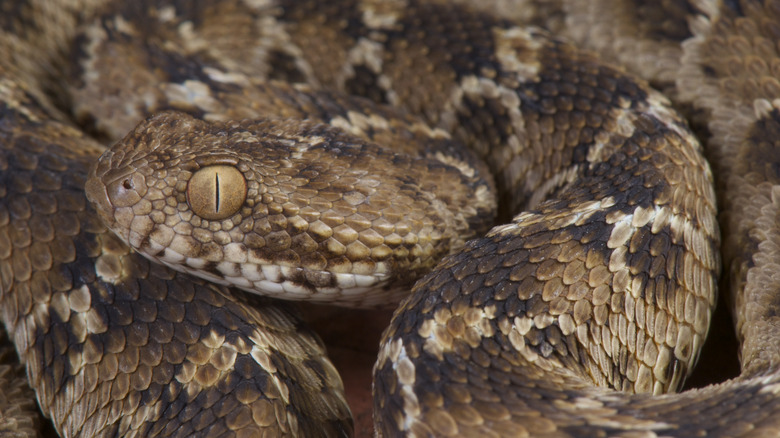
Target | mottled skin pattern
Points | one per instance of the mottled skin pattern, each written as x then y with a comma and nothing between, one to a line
19,414
606,280
327,217
115,345
734,65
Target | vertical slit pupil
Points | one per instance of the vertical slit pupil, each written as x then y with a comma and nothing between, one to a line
216,191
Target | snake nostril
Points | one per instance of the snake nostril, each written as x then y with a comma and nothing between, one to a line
126,190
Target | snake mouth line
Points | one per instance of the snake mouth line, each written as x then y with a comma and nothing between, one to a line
289,282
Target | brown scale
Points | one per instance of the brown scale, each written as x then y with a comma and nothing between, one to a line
665,20
592,96
19,416
574,103
642,36
731,74
585,279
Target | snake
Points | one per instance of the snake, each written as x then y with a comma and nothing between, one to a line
544,219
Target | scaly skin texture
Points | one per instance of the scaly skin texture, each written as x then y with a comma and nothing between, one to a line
605,282
325,217
115,345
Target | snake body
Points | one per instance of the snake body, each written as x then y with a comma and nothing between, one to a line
604,279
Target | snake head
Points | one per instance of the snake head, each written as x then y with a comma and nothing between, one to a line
289,209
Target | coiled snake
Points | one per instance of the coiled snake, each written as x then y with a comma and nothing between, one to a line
604,279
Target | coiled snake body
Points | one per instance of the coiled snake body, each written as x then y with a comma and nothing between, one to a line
604,279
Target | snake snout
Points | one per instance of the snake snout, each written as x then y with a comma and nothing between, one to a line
113,189
127,190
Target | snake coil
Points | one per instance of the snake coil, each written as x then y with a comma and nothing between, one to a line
239,162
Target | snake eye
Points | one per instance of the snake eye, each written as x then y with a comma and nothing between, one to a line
216,192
